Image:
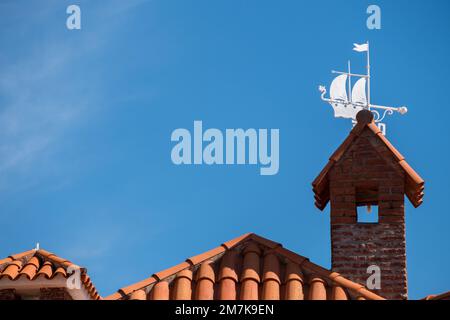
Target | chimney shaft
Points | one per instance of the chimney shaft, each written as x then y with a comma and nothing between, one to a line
364,176
367,171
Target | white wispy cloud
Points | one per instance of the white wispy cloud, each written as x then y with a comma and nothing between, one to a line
39,101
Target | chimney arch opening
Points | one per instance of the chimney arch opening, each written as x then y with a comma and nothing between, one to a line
367,213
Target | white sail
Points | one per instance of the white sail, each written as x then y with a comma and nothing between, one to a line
339,99
338,89
359,92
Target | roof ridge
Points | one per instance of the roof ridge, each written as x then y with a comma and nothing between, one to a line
189,262
55,258
440,296
334,277
17,256
57,262
414,194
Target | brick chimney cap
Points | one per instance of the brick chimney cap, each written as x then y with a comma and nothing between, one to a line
364,116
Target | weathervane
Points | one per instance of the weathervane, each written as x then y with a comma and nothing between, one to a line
358,98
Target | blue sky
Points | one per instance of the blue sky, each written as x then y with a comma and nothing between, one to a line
86,118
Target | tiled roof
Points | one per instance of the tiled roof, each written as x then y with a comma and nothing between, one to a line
37,265
414,184
442,296
247,268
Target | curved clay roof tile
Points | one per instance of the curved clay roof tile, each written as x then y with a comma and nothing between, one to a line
183,287
60,271
293,282
160,291
228,266
243,259
338,293
46,270
317,290
205,282
30,269
12,270
138,295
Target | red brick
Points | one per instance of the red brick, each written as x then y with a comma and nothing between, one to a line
8,294
362,176
54,294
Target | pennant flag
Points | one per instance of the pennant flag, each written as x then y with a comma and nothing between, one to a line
361,47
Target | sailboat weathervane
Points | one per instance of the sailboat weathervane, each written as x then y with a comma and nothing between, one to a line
358,98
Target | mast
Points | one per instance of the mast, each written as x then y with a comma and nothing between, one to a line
338,89
349,83
368,75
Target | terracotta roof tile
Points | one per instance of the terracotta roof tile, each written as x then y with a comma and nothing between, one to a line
228,266
442,296
230,244
205,281
271,277
40,264
271,269
183,285
30,269
19,256
249,267
294,282
46,270
338,293
205,256
317,289
141,284
414,184
138,295
266,242
117,296
12,269
160,291
173,270
228,276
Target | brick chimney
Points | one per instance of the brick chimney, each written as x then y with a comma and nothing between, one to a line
366,171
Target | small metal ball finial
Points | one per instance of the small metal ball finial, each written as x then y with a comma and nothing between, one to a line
364,116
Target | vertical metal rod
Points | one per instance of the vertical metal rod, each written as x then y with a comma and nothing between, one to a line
349,82
368,75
